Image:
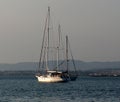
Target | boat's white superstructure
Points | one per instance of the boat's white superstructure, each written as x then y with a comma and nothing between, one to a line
52,77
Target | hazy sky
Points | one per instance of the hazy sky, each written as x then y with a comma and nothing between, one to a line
93,27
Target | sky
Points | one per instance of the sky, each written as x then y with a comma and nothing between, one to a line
93,27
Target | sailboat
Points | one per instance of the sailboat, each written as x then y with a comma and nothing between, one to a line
51,71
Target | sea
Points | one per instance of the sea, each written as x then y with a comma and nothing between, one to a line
84,89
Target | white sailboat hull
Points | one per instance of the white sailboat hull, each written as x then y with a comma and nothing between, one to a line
50,79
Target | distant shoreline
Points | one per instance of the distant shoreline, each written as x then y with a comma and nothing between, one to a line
80,73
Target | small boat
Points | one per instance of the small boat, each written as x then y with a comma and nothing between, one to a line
58,71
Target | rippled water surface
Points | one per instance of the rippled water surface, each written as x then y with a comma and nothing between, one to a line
84,89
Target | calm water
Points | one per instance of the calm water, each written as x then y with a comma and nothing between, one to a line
84,89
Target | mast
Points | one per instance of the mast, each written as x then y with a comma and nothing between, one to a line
41,53
59,31
48,31
67,52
